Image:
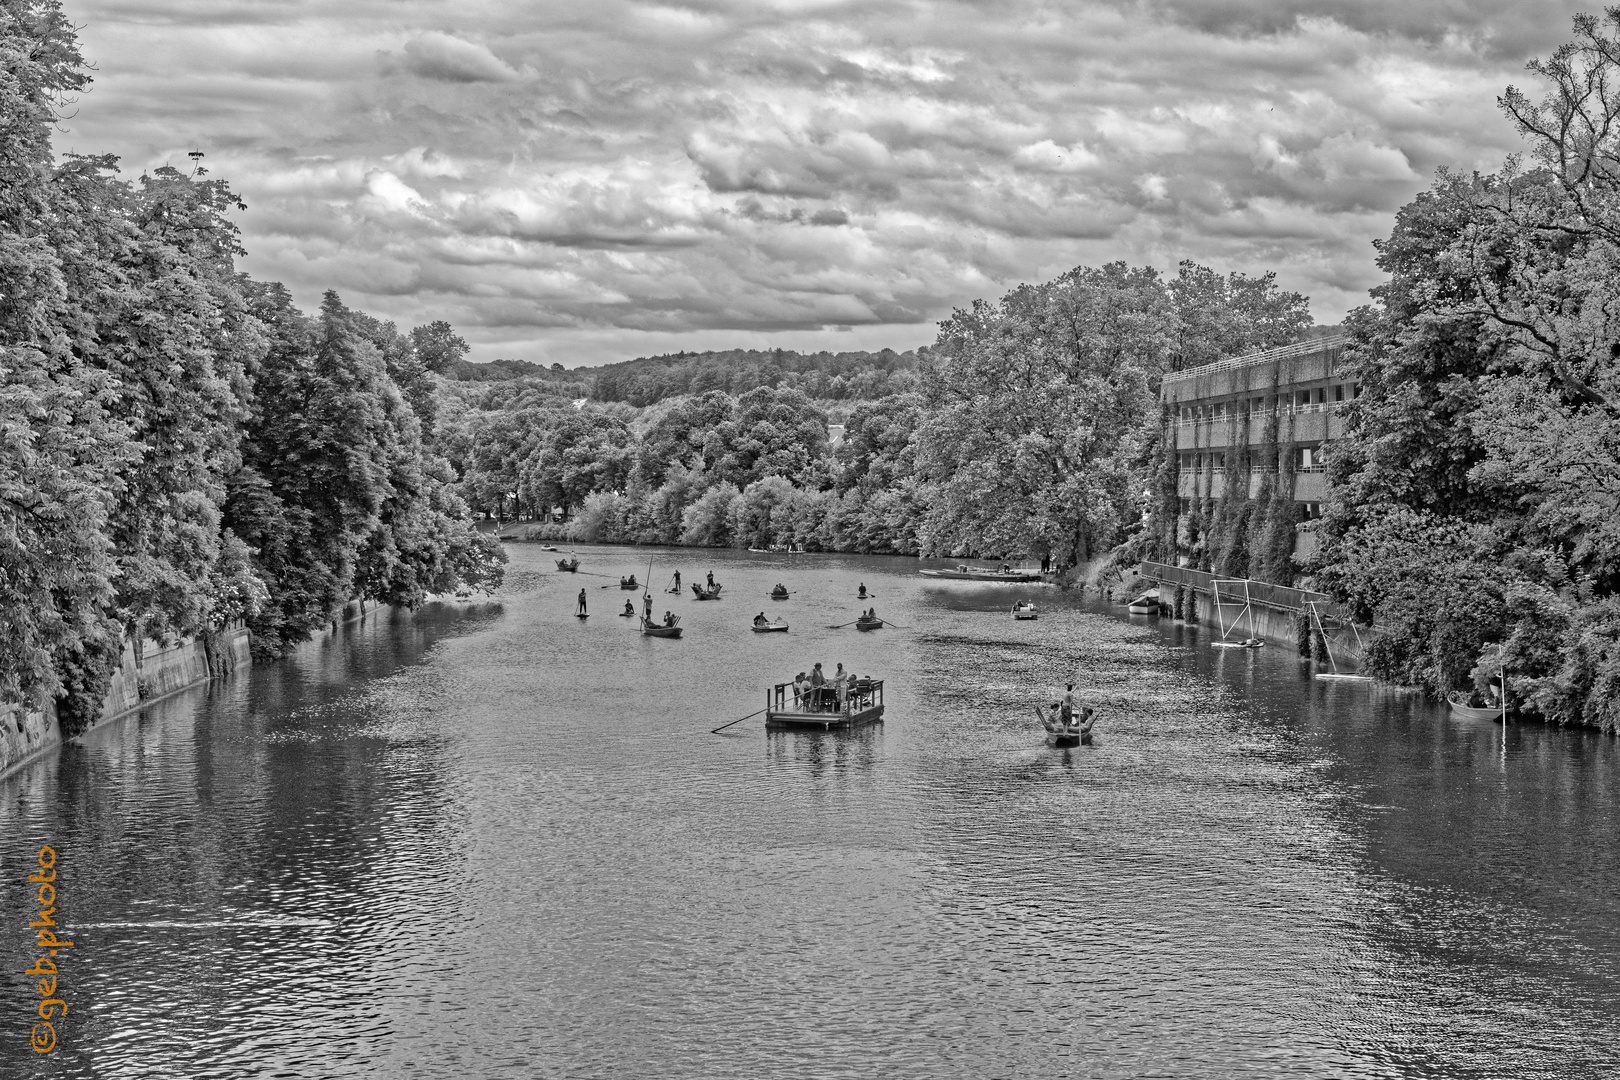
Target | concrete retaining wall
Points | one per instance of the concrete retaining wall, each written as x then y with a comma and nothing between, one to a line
156,671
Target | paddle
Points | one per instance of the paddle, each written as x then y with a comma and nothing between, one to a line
739,720
896,625
840,626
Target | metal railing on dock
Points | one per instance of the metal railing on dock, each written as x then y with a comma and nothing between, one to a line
858,695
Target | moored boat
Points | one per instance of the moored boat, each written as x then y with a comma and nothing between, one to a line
1464,711
1146,604
964,572
820,709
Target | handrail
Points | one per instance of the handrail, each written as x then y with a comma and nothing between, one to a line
776,697
1285,352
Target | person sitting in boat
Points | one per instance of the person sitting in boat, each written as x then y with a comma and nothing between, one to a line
632,581
629,607
862,593
669,618
780,590
761,620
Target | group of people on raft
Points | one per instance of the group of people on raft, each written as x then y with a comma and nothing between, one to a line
817,693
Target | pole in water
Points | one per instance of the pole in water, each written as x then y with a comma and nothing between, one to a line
739,720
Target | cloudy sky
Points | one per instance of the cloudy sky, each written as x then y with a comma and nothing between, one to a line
589,181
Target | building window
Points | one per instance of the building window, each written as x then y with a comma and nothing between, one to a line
1338,393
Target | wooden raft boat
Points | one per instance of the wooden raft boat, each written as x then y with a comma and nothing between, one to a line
659,630
706,592
818,710
1072,735
570,565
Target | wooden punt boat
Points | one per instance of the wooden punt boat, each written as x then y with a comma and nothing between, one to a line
770,628
1057,734
570,565
868,624
658,630
706,592
1464,711
964,572
862,705
1024,610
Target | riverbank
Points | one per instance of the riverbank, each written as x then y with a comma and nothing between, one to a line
144,674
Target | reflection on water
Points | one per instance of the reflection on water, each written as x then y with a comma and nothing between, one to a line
499,841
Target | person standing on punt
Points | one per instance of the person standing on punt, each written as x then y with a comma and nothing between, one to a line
582,602
711,579
818,683
1066,713
646,607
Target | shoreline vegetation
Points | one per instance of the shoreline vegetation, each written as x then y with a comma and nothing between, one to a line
181,447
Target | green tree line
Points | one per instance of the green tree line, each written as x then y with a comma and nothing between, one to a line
1027,428
180,447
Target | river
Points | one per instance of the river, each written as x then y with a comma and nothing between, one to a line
494,840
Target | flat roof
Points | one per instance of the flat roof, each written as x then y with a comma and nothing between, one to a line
1286,352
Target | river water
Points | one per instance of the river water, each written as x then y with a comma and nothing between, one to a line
495,840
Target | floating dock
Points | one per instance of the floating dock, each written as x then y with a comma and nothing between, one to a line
820,710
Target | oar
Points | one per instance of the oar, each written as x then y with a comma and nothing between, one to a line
896,625
739,720
840,626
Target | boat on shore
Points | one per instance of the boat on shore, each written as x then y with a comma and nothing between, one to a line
776,626
706,592
1024,609
819,709
651,629
964,572
570,565
1463,711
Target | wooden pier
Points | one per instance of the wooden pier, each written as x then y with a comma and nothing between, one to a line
820,709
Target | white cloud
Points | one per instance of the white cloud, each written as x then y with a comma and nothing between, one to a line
573,182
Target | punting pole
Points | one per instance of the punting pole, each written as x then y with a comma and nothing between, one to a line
739,720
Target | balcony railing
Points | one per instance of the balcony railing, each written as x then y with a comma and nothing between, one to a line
1286,352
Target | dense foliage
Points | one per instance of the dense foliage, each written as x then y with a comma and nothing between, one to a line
856,376
1029,428
180,448
1478,516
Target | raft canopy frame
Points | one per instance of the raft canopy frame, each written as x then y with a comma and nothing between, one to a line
820,708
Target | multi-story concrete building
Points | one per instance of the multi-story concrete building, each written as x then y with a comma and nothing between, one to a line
1272,414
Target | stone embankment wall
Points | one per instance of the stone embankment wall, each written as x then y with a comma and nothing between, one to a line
153,672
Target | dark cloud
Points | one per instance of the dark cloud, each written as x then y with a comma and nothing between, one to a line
569,181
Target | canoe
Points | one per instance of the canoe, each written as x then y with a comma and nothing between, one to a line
983,573
771,628
1256,644
868,624
1471,712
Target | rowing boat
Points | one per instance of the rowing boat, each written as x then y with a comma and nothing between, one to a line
770,628
570,565
1464,711
868,624
655,630
1146,604
1024,610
